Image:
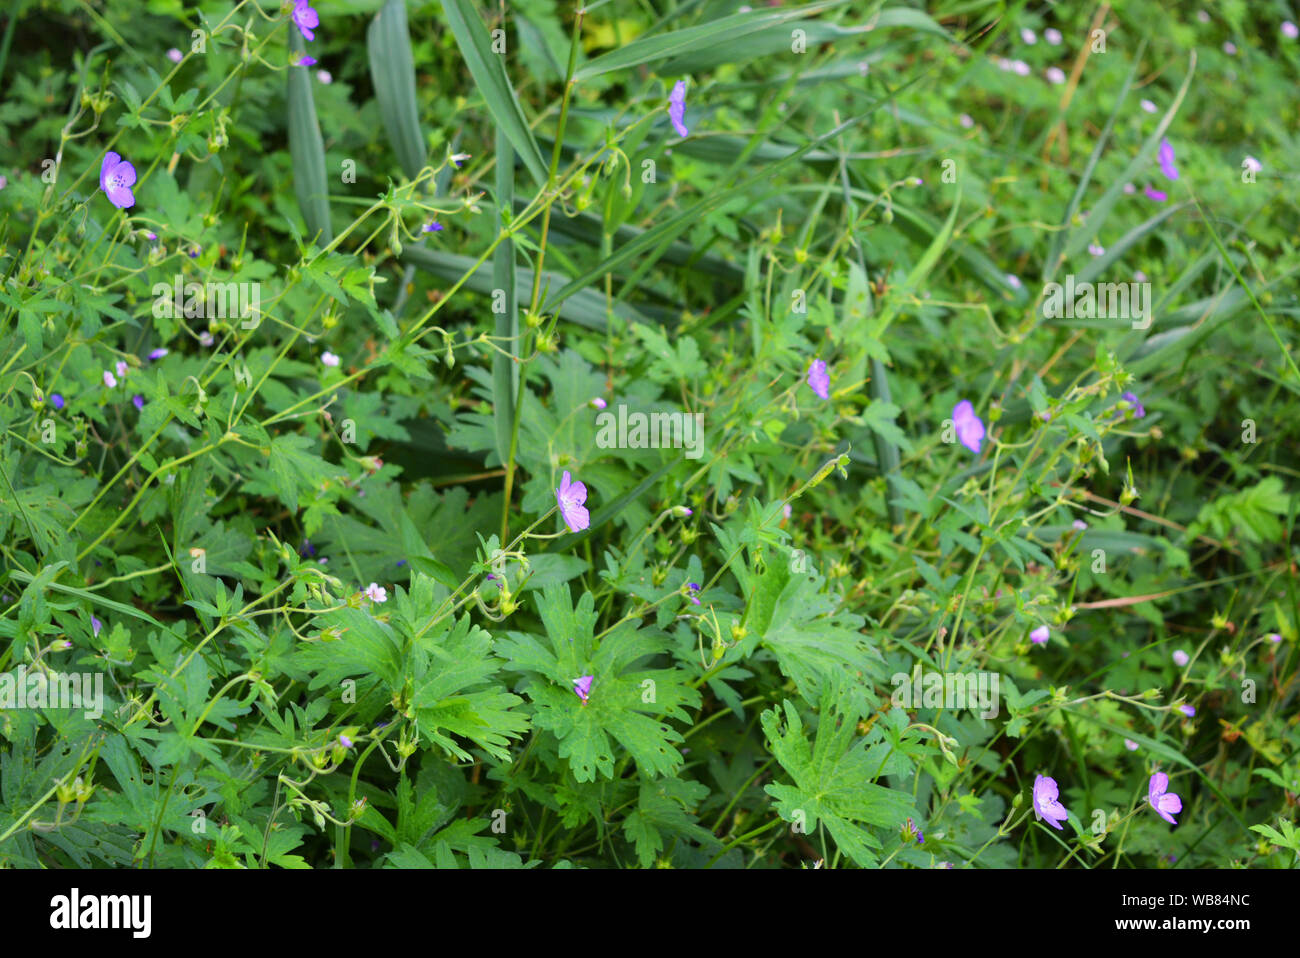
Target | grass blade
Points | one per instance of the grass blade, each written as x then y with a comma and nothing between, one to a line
392,70
505,365
307,150
489,73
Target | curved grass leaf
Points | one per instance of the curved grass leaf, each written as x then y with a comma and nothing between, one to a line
392,69
489,73
307,150
505,365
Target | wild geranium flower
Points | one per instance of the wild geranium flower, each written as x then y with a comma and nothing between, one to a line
1165,802
325,77
693,589
1138,409
305,19
1021,68
966,121
109,379
1148,106
1079,525
1166,160
599,403
175,55
970,430
1188,710
1040,635
677,108
1274,637
116,177
158,353
1096,249
1290,30
1055,76
56,401
306,61
95,625
1180,658
205,338
1046,805
1028,36
1229,48
1153,194
137,401
819,379
1052,36
1014,280
329,359
571,496
1131,745
345,741
1252,164
433,226
376,593
582,687
122,368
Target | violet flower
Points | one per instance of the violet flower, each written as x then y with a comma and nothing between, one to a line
137,401
305,19
1153,194
56,401
582,687
571,496
432,227
1046,805
819,379
1166,159
1180,658
1138,409
970,429
158,353
599,403
1165,802
677,108
1039,635
116,177
96,625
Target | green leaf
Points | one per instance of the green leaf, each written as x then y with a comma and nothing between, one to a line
489,73
392,70
307,150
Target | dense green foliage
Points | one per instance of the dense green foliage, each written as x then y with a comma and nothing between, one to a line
313,550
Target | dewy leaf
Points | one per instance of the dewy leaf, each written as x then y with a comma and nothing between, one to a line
834,778
625,703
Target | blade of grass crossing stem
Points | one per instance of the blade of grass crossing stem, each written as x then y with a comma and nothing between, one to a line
505,359
489,73
307,150
392,70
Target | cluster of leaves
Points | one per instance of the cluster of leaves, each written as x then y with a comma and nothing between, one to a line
318,564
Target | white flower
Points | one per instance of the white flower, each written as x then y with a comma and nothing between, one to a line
1028,36
1055,75
376,593
329,359
1148,106
324,76
109,380
1052,36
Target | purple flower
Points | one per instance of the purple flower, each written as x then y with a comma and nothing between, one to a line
1131,745
1188,710
694,589
1055,75
1052,36
205,338
324,76
599,403
306,19
1138,409
329,359
1046,805
1014,280
677,108
122,368
116,177
582,687
970,429
1229,48
433,226
109,380
1165,802
137,401
96,625
571,496
1251,164
1148,106
158,353
1180,658
1274,637
1028,36
56,401
306,61
345,741
1290,30
1153,194
1166,159
307,548
1039,635
1079,525
174,55
819,378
